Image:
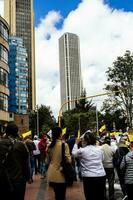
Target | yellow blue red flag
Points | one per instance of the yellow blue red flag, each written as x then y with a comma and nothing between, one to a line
26,134
78,134
102,128
64,131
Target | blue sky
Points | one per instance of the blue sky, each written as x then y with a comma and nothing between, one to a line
126,5
42,7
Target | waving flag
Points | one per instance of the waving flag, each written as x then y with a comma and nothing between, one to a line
26,134
64,131
102,128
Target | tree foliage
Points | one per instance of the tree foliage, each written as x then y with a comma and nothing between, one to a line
83,105
120,78
111,117
83,120
83,116
46,119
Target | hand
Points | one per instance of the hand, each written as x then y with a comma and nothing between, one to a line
77,140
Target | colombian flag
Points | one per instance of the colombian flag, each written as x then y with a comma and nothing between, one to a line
78,134
102,128
26,134
64,131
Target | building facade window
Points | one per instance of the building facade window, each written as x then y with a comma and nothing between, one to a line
3,31
3,102
3,54
18,76
3,77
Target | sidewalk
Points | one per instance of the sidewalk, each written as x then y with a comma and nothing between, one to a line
74,192
38,190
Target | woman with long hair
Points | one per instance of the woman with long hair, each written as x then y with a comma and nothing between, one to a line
92,170
55,176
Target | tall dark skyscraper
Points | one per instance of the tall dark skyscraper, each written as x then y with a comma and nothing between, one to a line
70,69
20,16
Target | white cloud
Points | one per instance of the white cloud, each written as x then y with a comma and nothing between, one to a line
104,34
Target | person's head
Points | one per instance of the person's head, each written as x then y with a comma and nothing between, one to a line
89,138
56,134
44,137
107,140
11,129
122,141
35,137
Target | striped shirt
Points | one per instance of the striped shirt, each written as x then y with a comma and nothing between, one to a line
127,164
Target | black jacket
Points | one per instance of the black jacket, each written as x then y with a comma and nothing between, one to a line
17,162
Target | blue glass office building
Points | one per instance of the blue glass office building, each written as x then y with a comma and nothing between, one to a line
18,76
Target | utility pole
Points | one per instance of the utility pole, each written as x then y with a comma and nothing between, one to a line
37,120
97,120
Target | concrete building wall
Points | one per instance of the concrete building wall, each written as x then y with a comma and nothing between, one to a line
22,122
70,69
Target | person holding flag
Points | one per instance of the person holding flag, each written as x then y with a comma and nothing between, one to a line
93,173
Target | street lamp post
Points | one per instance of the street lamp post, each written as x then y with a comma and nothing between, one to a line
73,100
97,120
37,120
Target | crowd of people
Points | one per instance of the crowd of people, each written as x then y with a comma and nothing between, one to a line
96,159
20,159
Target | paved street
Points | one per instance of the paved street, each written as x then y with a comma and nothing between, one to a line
38,190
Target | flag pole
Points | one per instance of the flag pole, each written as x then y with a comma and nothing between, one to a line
97,120
79,128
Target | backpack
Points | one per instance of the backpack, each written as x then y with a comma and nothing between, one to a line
117,158
6,146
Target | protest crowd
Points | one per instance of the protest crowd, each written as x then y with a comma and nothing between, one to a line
95,159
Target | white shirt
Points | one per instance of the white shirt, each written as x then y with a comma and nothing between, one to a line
37,151
91,158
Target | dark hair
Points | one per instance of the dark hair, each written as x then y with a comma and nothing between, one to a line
56,133
12,129
107,140
90,138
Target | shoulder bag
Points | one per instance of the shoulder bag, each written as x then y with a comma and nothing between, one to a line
67,168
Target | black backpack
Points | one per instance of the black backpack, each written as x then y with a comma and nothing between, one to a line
118,156
6,147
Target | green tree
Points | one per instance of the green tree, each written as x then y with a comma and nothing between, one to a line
83,115
120,77
113,116
46,120
72,119
83,105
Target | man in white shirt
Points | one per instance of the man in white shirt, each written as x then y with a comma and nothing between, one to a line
36,154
